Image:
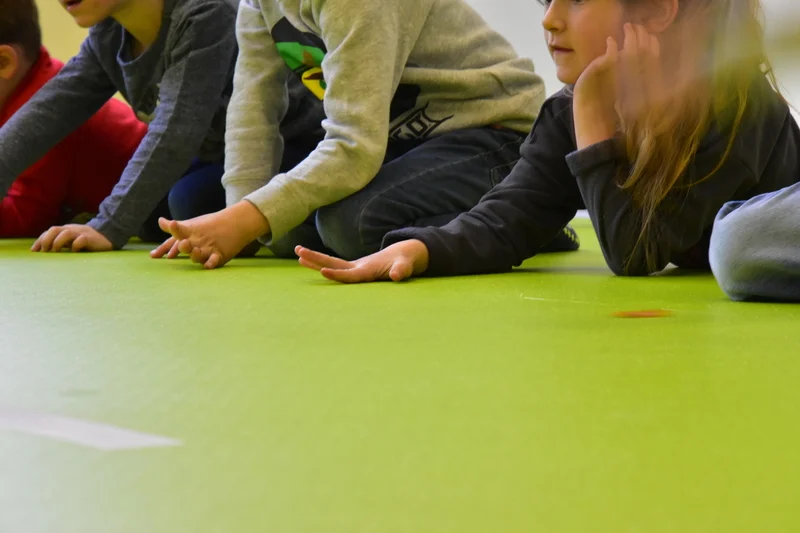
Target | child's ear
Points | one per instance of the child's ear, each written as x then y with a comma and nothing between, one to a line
9,61
660,15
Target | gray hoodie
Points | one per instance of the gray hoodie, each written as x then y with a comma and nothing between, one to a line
392,69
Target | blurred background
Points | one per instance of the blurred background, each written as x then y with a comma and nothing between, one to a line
518,20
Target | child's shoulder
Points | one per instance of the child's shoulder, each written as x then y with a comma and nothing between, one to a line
554,120
559,105
764,116
107,27
561,98
765,101
105,35
204,8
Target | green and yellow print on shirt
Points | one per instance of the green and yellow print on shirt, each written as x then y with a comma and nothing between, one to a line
303,53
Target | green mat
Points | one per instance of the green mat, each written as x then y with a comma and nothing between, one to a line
508,403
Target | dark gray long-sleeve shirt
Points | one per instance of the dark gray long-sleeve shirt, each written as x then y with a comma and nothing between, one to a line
553,180
180,85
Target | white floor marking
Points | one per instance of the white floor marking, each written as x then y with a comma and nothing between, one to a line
81,432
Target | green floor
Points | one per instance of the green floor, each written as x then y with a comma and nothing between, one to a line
508,403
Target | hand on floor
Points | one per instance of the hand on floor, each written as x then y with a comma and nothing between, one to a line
214,239
75,236
397,262
169,249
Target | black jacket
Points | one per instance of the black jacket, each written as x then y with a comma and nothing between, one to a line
553,180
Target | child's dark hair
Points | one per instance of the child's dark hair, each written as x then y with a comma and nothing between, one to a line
19,24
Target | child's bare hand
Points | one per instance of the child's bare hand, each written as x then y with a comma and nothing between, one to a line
597,84
640,85
171,250
77,237
397,262
619,88
168,248
595,96
214,239
197,239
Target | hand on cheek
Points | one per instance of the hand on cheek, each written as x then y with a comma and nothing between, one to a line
618,88
641,90
595,97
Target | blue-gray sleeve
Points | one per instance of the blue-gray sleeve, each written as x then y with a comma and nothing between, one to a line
190,95
60,107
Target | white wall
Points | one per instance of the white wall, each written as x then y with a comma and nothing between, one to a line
783,17
518,20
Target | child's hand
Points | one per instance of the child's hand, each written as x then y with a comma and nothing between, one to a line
595,97
168,248
214,239
619,87
396,263
171,250
640,88
76,236
598,82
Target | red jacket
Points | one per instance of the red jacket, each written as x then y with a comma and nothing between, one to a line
77,174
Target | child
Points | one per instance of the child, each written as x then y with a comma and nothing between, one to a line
173,61
755,247
426,110
653,138
74,177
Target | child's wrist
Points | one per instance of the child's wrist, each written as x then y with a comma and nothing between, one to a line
252,221
594,123
419,252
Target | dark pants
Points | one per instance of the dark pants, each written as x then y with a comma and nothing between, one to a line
422,183
198,192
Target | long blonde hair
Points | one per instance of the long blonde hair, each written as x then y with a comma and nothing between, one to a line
718,55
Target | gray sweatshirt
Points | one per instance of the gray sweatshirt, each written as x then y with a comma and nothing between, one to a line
392,69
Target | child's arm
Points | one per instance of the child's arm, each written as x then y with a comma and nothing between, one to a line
688,211
253,142
368,45
189,94
103,147
56,110
510,224
84,168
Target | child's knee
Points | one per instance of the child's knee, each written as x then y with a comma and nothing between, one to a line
283,248
747,245
199,192
727,255
344,231
187,202
305,235
182,206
